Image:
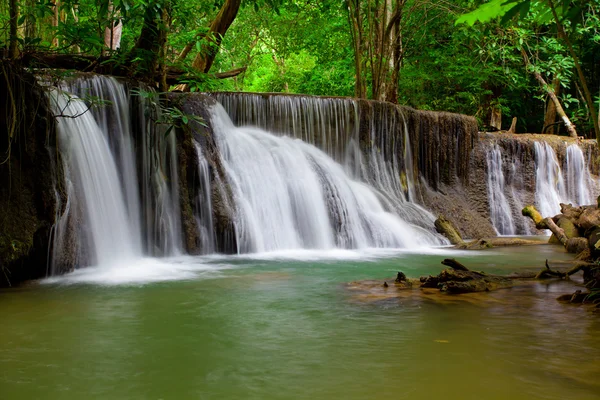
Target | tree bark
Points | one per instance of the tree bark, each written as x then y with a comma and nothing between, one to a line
357,42
55,20
561,112
145,55
113,30
13,12
205,58
550,117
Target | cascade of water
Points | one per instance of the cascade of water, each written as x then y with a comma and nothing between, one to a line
500,211
204,217
159,184
578,177
328,123
95,183
139,170
383,159
288,195
112,116
517,197
549,187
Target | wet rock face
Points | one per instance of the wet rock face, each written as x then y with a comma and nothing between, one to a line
27,196
223,216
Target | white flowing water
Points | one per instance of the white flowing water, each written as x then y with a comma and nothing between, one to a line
550,185
500,210
204,216
570,182
106,166
290,195
578,178
384,161
95,183
112,116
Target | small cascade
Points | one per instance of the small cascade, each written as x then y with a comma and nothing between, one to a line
578,179
550,186
204,216
290,195
159,183
327,123
510,188
93,180
500,211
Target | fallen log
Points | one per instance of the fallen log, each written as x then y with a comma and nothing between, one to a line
459,279
447,228
452,263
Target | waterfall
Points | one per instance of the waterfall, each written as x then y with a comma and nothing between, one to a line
554,183
372,145
94,182
550,186
204,217
289,195
578,179
500,211
121,184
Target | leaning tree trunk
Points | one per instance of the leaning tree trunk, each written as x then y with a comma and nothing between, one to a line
550,92
550,116
205,58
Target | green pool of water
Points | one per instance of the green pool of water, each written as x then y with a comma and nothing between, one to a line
286,327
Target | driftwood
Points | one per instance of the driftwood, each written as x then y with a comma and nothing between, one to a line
536,217
455,265
447,228
459,279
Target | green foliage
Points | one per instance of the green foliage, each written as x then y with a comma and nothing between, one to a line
450,61
163,113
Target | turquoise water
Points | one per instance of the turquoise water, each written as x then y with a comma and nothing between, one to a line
286,326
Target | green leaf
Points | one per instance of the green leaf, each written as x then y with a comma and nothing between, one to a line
510,14
488,11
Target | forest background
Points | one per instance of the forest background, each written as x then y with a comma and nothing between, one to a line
495,60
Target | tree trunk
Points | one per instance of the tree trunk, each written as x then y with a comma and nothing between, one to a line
113,30
550,117
13,12
75,11
205,58
55,20
496,118
561,112
357,42
148,48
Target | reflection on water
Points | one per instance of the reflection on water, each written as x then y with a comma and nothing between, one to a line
277,327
